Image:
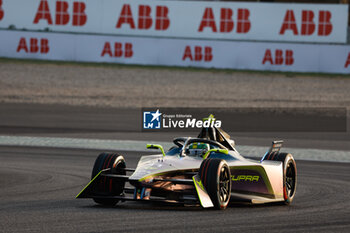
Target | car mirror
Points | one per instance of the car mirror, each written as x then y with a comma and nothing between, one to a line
155,146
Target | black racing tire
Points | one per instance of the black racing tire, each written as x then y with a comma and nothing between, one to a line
289,176
106,186
216,177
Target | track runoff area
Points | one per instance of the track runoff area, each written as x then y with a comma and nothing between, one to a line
140,146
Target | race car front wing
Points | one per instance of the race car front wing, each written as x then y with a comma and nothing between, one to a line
141,190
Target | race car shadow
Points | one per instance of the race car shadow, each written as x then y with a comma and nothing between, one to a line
176,207
150,207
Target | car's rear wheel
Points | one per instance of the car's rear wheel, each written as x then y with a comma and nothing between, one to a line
216,177
107,186
289,176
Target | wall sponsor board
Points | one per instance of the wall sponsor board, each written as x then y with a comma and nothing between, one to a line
177,52
182,19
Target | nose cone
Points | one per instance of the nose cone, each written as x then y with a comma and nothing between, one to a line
150,166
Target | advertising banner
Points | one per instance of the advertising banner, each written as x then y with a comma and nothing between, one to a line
176,52
319,23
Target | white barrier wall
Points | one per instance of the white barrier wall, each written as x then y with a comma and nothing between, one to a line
176,52
182,19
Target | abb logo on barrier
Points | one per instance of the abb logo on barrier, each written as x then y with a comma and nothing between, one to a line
226,21
199,53
347,63
145,21
1,11
280,59
308,26
119,51
62,14
34,45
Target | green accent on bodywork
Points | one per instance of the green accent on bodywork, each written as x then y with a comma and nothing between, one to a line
261,171
245,178
209,118
89,183
200,185
203,196
156,146
223,151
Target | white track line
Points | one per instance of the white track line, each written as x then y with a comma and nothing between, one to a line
130,145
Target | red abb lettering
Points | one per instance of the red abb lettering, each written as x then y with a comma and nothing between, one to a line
34,48
226,22
22,45
79,16
162,20
118,50
44,43
267,57
347,63
198,53
187,54
106,50
145,20
324,24
279,59
208,55
43,12
1,11
34,45
126,17
289,57
289,23
208,20
128,50
243,23
308,25
62,15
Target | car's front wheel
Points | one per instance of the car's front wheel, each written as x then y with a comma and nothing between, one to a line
216,177
107,186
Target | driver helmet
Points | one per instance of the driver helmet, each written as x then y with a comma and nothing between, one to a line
197,149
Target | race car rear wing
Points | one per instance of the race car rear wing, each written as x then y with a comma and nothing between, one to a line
273,151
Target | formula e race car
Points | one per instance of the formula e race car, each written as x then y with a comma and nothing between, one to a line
206,170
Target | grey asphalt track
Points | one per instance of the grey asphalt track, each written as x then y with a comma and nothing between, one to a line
38,186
